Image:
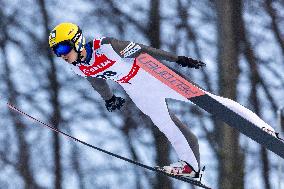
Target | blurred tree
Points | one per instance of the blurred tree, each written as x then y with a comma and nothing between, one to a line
54,90
231,158
255,80
23,163
275,20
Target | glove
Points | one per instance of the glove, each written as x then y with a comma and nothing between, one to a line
114,103
189,62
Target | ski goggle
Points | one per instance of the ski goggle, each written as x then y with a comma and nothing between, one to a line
62,48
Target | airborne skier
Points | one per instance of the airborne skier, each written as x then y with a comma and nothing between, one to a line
109,58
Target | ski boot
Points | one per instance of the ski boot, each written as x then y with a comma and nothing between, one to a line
183,169
272,132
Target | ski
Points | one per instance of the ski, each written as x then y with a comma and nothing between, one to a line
184,179
198,96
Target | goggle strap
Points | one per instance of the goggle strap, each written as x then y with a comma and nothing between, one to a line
77,35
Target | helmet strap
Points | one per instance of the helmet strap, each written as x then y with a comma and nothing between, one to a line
78,61
77,36
88,48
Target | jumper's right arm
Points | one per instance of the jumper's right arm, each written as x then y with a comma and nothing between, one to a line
101,86
112,102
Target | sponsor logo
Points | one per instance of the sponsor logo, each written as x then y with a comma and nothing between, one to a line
96,68
71,31
76,37
168,77
52,35
130,50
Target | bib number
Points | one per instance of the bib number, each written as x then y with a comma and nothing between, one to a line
106,75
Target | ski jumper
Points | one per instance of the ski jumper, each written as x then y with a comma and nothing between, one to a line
116,60
146,92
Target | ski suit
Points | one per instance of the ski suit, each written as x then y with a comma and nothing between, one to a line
116,60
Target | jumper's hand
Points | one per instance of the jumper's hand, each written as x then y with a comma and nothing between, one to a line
189,62
115,103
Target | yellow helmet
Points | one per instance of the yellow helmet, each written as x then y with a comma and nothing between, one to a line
67,32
